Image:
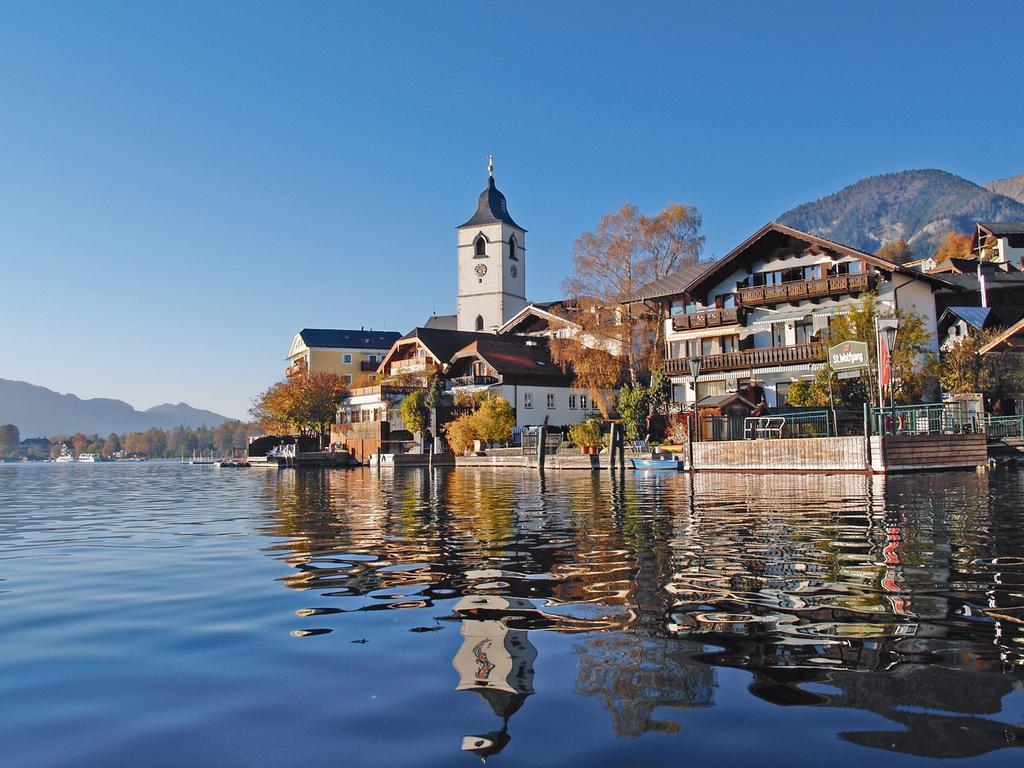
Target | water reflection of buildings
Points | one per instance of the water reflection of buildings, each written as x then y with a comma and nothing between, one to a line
845,591
879,612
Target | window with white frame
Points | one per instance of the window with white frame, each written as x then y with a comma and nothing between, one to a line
583,402
572,402
348,378
346,358
527,399
551,399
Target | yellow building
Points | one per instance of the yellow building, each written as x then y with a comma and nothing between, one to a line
347,353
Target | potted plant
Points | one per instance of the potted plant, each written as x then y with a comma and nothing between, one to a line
587,435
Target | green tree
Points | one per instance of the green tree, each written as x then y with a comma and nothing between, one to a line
915,365
414,411
10,439
964,369
494,420
634,407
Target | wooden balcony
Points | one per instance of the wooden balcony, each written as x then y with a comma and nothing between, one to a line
798,290
411,365
797,354
712,318
369,365
298,368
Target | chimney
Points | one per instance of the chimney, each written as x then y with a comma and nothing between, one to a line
983,268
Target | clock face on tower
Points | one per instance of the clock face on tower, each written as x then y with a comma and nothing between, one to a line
514,270
481,270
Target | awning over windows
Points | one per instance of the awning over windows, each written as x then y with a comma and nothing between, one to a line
825,309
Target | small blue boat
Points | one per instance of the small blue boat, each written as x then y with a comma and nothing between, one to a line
667,463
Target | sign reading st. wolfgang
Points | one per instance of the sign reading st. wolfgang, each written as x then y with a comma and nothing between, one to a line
848,356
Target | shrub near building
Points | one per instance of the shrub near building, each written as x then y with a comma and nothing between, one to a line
491,422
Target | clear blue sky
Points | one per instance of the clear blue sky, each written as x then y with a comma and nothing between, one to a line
185,185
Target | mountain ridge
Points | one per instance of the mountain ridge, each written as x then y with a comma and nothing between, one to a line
1011,187
38,411
919,206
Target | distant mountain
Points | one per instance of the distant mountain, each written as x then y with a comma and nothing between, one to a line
1013,187
917,206
41,412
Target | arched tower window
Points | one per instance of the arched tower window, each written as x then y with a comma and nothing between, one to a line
512,248
479,248
479,322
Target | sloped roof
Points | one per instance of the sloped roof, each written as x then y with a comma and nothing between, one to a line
491,208
717,401
446,322
1010,339
1001,228
997,280
534,312
442,343
356,339
671,285
513,357
973,316
774,227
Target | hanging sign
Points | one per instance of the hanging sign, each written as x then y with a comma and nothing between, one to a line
848,356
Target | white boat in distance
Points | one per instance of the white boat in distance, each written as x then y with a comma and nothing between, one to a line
90,458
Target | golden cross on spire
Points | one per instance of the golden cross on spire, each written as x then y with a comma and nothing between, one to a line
490,165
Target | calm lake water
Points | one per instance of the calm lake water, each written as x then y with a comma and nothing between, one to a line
159,614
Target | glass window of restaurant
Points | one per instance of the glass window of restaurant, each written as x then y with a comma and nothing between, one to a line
778,334
804,331
731,343
781,393
709,389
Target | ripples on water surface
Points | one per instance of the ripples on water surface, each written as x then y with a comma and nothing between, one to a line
172,615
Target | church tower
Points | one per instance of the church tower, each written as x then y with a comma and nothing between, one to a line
492,263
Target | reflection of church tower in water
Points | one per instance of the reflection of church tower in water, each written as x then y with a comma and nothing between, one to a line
495,662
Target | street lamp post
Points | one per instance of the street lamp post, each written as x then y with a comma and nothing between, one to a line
889,330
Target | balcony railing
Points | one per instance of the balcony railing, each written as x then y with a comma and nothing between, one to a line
296,369
411,365
473,381
369,365
795,354
712,318
797,290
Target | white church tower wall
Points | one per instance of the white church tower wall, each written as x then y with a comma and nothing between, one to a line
492,264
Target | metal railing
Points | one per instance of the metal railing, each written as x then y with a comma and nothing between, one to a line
924,419
1000,427
473,381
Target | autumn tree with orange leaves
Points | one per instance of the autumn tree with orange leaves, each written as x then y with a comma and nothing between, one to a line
953,246
626,250
307,403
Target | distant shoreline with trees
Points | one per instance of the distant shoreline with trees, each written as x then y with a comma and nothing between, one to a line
154,443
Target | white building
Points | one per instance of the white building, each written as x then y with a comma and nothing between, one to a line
760,314
1001,242
492,264
522,372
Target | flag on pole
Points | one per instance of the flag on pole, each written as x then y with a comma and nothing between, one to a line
883,363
